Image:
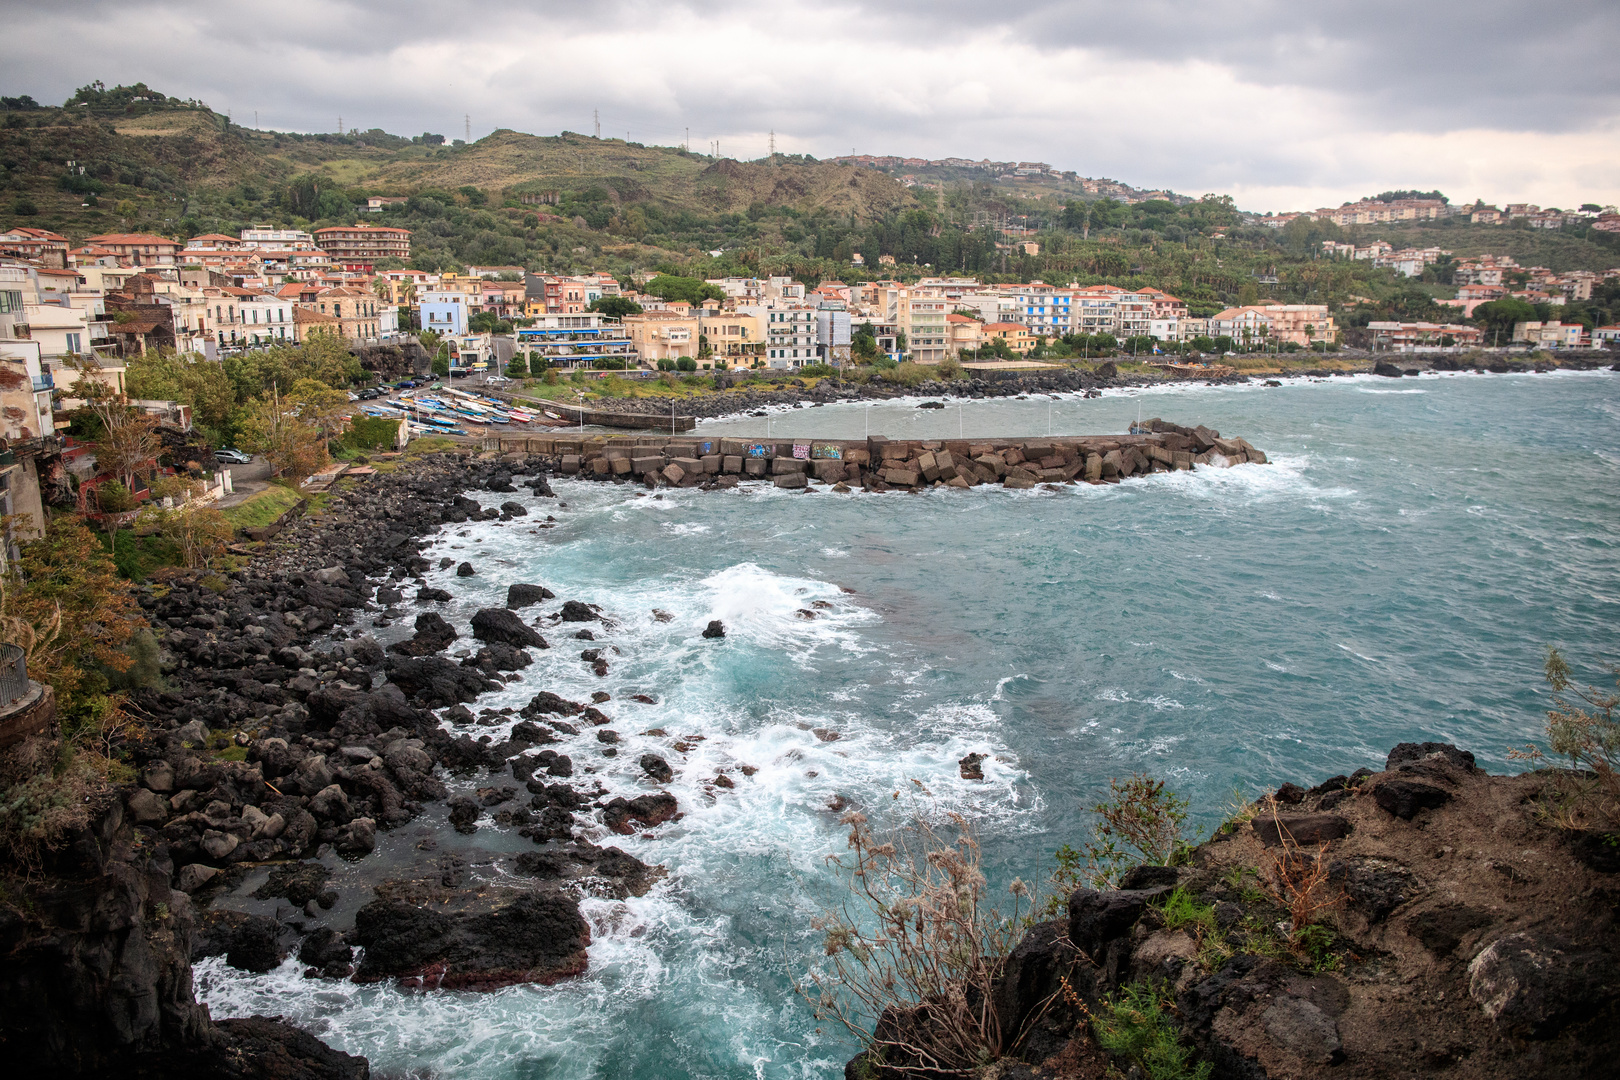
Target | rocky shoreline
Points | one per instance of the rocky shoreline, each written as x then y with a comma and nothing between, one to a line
268,760
1464,936
293,798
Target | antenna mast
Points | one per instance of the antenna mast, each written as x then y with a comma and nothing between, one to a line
773,146
467,119
596,119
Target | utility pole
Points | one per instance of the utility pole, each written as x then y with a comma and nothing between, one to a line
687,145
467,119
773,147
340,123
596,119
255,119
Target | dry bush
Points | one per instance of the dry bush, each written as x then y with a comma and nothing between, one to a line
1581,726
913,948
1297,880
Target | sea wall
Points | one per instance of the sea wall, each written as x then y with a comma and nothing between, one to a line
882,464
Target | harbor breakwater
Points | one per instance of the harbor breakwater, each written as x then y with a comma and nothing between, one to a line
881,464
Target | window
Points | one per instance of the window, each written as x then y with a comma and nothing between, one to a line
73,343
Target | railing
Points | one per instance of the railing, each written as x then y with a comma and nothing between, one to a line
44,382
13,674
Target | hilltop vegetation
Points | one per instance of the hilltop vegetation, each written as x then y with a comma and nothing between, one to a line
569,203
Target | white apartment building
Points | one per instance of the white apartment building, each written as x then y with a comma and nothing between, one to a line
790,336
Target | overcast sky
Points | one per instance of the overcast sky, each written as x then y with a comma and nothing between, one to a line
1283,104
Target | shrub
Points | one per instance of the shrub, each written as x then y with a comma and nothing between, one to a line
817,371
685,363
371,433
1581,726
517,367
949,369
1140,822
1135,1024
913,949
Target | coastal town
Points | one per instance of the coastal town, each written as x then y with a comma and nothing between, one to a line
119,295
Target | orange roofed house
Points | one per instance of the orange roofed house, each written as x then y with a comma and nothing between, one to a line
358,247
1016,335
138,249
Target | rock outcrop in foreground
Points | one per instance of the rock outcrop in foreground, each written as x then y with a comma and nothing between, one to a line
1468,939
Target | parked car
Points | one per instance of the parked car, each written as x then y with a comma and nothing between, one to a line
233,457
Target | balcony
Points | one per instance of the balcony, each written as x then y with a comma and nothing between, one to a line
44,382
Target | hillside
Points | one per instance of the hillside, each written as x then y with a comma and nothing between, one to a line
129,159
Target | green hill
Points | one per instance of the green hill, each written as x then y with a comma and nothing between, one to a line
131,159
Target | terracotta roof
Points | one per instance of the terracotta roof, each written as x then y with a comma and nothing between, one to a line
307,317
126,239
1003,326
214,236
136,326
953,317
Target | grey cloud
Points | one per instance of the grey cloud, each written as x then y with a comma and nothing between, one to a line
1341,68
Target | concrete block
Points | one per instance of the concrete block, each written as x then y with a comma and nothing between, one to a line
620,465
674,473
1017,483
1111,465
691,466
731,464
829,471
957,482
1258,456
727,481
792,480
996,465
1094,466
755,466
900,477
1019,472
711,464
1182,460
783,465
570,464
642,466
857,457
600,466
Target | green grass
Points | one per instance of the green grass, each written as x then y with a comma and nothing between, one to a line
1136,1024
139,557
1181,911
263,508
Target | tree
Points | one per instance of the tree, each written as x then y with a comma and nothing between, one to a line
196,528
295,448
319,405
518,366
128,443
685,363
78,613
692,290
616,307
1498,317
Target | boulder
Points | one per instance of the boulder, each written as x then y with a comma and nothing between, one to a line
715,629
1534,985
514,509
971,767
503,626
519,595
1306,830
466,941
656,768
465,570
648,810
248,942
1404,798
578,611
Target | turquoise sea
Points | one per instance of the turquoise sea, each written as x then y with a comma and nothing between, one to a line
1395,574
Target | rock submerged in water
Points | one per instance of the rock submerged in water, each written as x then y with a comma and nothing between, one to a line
715,629
424,934
465,570
519,595
578,611
503,626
